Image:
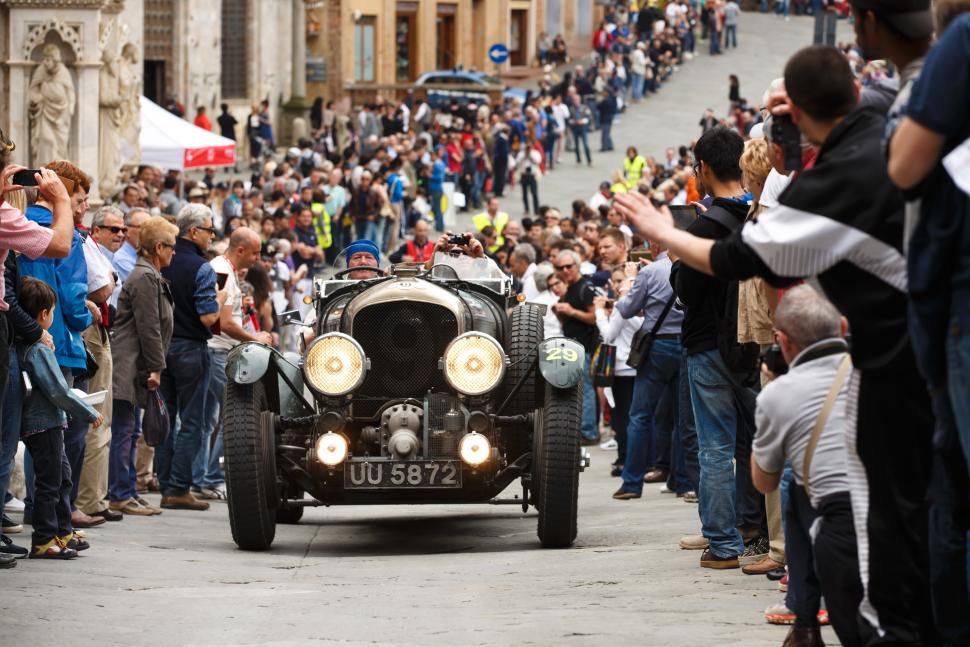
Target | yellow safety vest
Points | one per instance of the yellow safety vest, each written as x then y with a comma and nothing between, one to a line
633,169
322,225
482,220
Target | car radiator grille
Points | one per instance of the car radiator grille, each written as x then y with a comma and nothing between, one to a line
403,341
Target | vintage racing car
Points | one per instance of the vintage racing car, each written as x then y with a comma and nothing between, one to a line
417,386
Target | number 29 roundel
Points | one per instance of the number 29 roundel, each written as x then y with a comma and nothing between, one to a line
561,361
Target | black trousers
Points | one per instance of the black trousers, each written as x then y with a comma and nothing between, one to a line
623,399
52,486
5,341
827,567
530,185
889,468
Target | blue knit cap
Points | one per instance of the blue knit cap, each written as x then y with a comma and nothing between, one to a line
363,245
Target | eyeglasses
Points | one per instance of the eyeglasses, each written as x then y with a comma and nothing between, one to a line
115,230
211,230
565,267
167,245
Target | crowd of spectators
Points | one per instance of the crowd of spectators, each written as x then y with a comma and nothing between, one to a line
782,360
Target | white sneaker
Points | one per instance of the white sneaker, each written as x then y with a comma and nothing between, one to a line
665,490
14,504
609,444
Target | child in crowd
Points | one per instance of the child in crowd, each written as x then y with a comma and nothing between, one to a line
42,430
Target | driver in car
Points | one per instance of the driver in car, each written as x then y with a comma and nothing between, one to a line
365,254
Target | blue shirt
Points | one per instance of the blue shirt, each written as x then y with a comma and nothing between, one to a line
437,180
124,260
650,293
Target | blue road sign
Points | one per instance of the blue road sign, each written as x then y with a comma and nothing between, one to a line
498,53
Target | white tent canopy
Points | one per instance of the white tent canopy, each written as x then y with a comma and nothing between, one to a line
170,142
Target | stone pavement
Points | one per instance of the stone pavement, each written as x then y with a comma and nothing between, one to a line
670,117
408,575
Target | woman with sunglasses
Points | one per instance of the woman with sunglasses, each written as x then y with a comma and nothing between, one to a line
145,304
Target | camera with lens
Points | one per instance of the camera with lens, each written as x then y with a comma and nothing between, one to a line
774,361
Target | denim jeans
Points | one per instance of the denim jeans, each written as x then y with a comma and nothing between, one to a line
206,471
660,373
636,86
10,423
730,36
716,417
606,141
366,229
620,417
715,42
684,471
51,513
439,219
581,136
381,233
184,388
122,474
590,424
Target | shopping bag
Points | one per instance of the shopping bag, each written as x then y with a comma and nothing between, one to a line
155,422
603,365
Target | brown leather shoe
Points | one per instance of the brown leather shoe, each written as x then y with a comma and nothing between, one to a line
81,520
146,504
761,567
186,501
130,506
804,637
655,476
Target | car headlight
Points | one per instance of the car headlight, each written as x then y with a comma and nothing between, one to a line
334,364
474,363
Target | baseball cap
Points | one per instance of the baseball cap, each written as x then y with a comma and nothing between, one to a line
911,18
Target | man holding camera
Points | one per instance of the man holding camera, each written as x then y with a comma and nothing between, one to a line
801,419
842,221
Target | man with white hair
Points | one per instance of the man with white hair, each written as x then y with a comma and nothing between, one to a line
801,419
185,381
522,262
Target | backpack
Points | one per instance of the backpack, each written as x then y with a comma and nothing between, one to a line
741,359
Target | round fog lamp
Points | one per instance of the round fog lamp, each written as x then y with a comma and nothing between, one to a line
474,448
474,363
331,449
334,364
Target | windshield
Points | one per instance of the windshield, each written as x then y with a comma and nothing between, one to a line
469,268
491,80
365,265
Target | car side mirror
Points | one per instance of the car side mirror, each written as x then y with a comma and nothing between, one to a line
290,318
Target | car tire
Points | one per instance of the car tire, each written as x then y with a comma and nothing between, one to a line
526,331
250,455
555,468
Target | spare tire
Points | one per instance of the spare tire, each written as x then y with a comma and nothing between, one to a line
526,331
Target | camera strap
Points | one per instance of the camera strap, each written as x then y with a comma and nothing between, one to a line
823,417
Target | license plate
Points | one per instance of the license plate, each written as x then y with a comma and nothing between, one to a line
380,475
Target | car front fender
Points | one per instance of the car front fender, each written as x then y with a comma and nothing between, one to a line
562,361
248,362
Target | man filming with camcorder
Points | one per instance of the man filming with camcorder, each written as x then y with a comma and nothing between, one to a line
842,221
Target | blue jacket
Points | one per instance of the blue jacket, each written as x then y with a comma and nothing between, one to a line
69,278
50,397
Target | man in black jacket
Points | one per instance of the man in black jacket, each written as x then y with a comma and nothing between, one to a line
723,408
842,220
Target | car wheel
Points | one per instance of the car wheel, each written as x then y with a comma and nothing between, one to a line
555,471
250,455
525,333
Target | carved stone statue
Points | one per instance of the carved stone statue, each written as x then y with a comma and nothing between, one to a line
50,107
130,104
111,112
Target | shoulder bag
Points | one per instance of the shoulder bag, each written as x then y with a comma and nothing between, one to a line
643,341
823,417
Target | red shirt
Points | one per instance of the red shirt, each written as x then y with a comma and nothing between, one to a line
202,121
